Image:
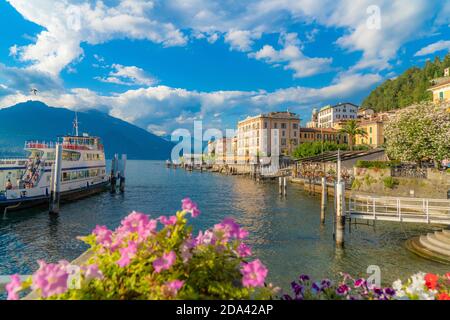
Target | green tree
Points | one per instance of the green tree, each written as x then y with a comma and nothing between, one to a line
408,88
352,129
419,132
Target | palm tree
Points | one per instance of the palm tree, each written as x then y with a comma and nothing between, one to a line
352,129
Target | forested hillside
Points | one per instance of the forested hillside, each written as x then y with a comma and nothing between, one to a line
408,88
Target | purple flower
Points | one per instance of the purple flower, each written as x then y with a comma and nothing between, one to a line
50,279
13,287
297,288
165,262
389,291
254,274
244,250
316,287
343,289
304,278
325,284
172,287
190,206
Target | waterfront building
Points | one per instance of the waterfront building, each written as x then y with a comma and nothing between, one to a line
257,134
224,150
322,134
374,129
441,88
329,115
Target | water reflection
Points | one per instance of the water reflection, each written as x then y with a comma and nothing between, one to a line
286,233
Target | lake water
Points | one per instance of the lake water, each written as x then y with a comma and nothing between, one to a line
285,233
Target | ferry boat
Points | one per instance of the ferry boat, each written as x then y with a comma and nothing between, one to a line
26,182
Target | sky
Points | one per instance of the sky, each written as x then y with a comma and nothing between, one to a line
163,64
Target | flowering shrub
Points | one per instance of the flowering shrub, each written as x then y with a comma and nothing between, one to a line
423,286
159,258
420,286
346,288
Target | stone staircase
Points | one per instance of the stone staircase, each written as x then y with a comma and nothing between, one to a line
434,246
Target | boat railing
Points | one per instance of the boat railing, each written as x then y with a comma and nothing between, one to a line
72,146
39,145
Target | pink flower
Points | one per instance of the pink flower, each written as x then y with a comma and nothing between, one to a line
103,235
135,223
172,287
244,250
230,229
205,238
165,262
51,279
92,272
190,206
14,287
253,274
186,249
172,220
127,253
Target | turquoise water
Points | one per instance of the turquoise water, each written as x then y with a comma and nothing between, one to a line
285,233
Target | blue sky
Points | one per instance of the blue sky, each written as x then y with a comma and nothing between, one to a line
163,64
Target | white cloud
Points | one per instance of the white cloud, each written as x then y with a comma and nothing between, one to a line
294,58
128,75
13,51
434,47
241,40
163,108
68,23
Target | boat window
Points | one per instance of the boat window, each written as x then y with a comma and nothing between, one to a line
71,155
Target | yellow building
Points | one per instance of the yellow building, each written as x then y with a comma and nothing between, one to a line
322,134
441,88
375,133
256,135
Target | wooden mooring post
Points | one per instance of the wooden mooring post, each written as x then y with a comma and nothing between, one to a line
323,203
282,186
340,214
113,176
122,173
55,187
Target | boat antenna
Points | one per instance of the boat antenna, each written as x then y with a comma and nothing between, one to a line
75,124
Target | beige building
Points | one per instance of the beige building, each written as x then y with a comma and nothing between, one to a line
259,134
441,88
375,133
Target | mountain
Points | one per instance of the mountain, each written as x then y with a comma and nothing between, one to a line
34,120
408,88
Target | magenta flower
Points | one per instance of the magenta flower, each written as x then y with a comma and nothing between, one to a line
172,287
190,206
165,262
103,235
127,253
186,249
172,220
253,274
244,250
14,287
92,272
359,282
51,279
230,229
342,289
